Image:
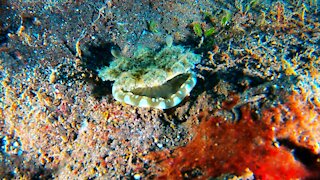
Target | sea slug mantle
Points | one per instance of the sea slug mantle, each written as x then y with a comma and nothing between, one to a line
152,79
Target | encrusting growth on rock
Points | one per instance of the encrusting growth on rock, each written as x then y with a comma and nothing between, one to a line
251,143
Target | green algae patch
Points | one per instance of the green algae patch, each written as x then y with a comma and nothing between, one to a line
197,29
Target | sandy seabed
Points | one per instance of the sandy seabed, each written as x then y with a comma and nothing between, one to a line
259,70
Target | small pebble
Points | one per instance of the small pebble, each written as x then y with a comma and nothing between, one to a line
137,176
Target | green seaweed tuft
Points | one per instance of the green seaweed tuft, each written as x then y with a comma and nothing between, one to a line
226,18
197,29
152,26
209,32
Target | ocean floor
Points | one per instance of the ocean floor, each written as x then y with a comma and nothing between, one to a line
254,112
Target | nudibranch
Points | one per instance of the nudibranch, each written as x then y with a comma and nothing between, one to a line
152,79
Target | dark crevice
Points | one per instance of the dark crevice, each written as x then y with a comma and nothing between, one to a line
305,156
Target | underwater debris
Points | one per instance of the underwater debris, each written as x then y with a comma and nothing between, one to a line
149,79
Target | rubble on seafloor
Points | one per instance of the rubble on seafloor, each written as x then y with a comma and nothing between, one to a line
254,113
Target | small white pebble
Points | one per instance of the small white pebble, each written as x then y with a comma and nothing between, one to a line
84,126
15,144
160,145
52,78
169,40
137,176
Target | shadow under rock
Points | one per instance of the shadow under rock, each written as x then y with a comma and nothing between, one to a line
97,56
233,81
29,170
305,156
9,21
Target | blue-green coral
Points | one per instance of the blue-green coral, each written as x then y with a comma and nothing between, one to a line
152,79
